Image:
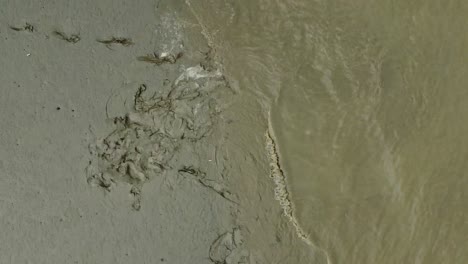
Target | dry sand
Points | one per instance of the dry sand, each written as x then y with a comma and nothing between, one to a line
124,141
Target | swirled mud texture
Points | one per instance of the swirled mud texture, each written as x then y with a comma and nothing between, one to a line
163,122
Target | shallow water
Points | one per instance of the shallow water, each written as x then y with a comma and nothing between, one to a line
367,100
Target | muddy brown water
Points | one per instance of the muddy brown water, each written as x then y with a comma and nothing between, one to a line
368,102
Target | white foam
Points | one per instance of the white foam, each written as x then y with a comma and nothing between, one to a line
197,72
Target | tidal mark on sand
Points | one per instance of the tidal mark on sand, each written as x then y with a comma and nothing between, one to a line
26,27
73,38
126,42
162,58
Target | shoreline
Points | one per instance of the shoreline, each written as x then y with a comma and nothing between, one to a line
108,158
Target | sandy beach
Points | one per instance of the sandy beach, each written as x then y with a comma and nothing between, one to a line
124,141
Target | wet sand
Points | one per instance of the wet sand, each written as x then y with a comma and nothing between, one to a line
123,141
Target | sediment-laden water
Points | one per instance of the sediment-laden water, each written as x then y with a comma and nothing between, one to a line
367,101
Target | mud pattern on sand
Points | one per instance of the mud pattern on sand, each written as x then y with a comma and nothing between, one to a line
228,249
146,139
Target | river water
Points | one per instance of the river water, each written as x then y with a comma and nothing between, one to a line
368,101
